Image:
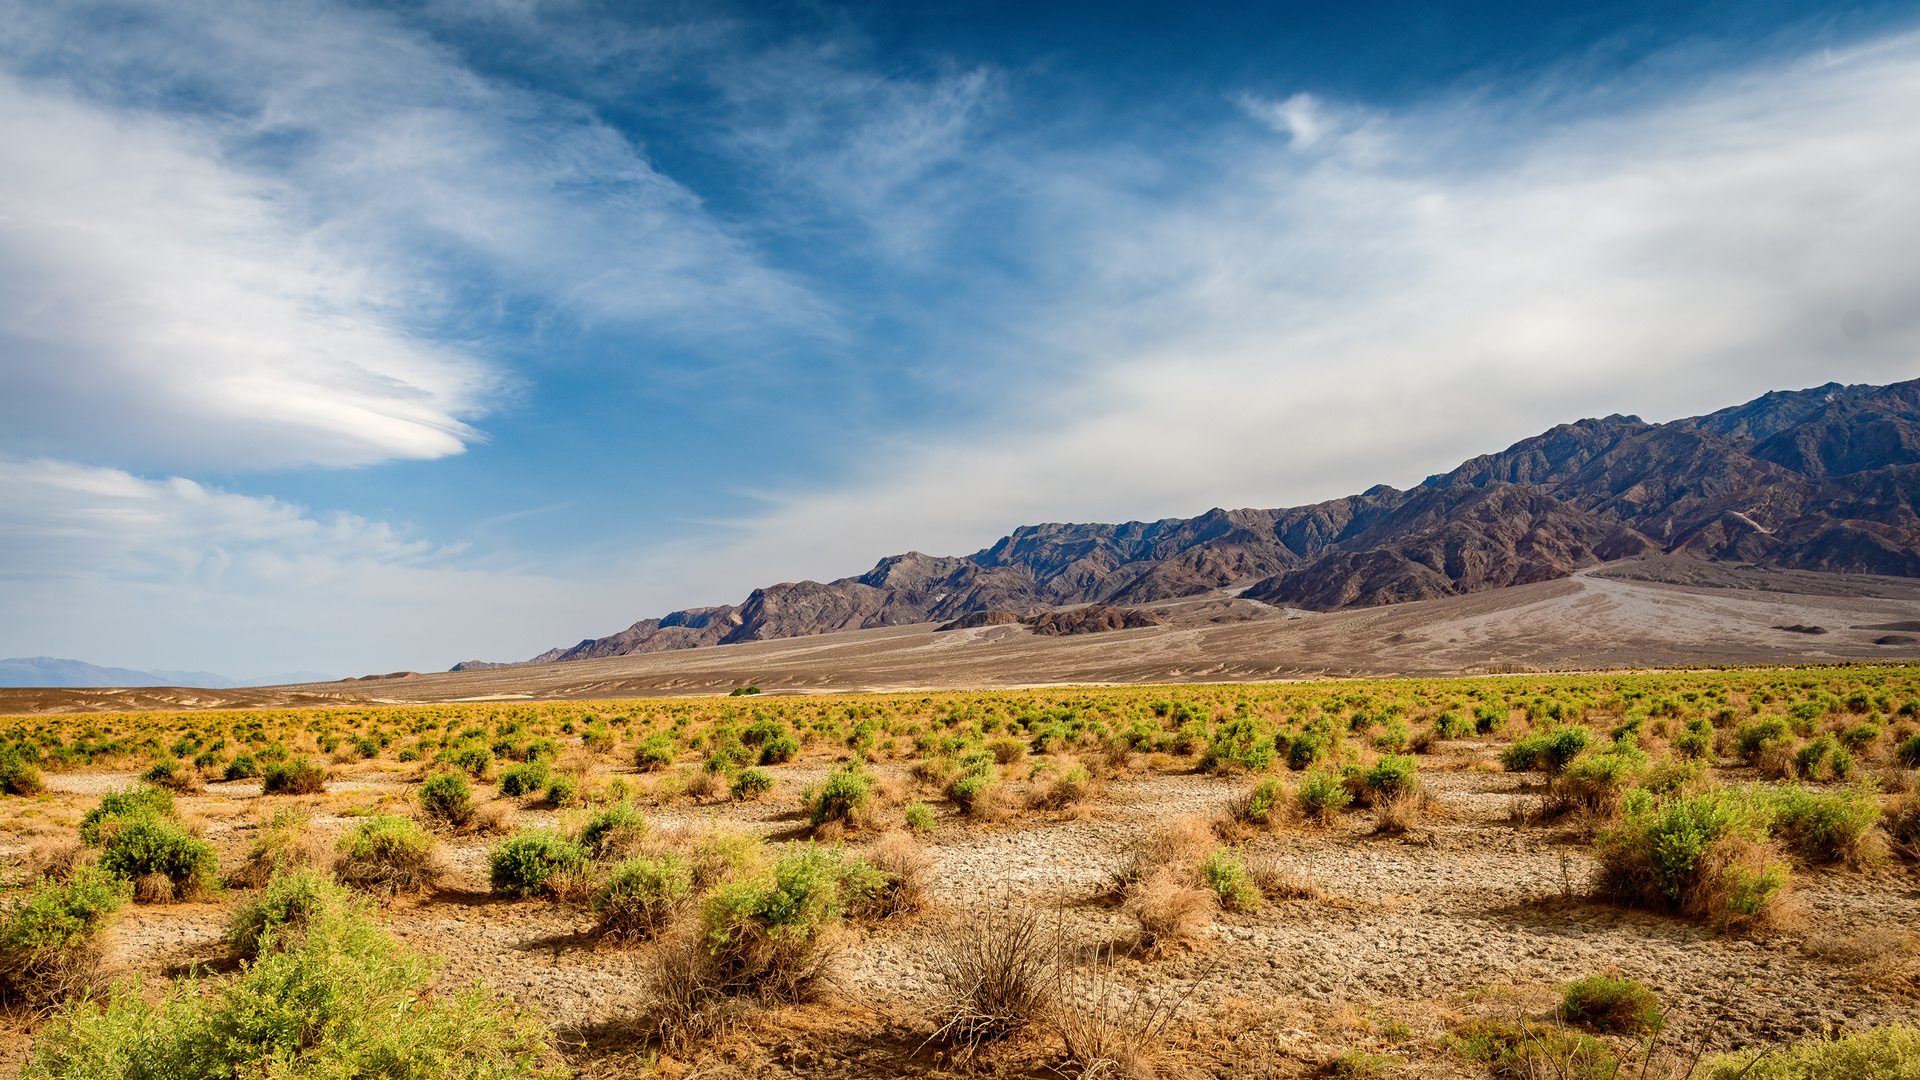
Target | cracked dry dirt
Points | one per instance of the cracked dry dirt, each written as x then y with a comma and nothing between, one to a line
1470,916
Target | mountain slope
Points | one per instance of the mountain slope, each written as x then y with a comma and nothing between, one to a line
1822,479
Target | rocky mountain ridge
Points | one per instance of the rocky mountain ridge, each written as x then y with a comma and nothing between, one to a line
1824,479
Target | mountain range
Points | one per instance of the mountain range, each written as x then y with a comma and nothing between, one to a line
51,671
1824,479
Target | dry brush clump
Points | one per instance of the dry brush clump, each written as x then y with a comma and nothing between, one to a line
285,843
389,855
1002,968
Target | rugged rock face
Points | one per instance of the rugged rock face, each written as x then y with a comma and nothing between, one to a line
979,619
1825,479
1093,619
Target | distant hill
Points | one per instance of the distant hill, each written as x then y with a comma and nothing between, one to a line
1825,479
49,671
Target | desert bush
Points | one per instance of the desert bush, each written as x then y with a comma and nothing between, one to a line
905,871
656,753
562,790
242,767
50,938
1243,743
1902,823
975,793
294,776
1258,805
1756,736
18,776
285,843
1597,783
1166,908
1826,827
750,784
1180,846
1908,752
446,798
1705,856
842,797
535,861
173,776
1322,796
614,833
1002,972
716,856
1611,1006
471,758
1452,724
163,860
1882,1053
1529,1051
346,1001
281,913
642,896
388,855
1314,743
780,749
1066,790
919,817
1696,741
1392,775
1225,872
1549,752
767,935
1008,751
523,780
130,802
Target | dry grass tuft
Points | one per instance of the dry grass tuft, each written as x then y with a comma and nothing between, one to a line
1277,882
154,889
1167,909
286,842
1181,847
908,869
57,859
498,818
1400,813
1108,1032
1003,971
705,786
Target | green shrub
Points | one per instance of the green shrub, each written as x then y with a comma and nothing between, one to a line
531,861
1549,752
280,914
779,749
761,934
920,817
749,784
841,797
50,939
1322,796
973,791
1696,741
613,833
172,775
1313,744
1598,782
1225,872
1703,855
345,1001
1612,1006
1908,753
447,797
562,790
1394,737
294,776
525,779
641,897
1754,736
1882,1053
471,758
1517,1051
131,802
1257,804
1824,828
1453,725
1244,743
388,854
1393,775
656,753
18,776
242,767
146,846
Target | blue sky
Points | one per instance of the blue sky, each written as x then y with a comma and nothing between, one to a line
353,337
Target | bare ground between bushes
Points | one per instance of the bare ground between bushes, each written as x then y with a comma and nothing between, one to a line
1468,916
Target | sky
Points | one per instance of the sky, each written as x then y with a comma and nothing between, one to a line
356,337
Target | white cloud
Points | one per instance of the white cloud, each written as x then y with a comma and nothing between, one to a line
118,569
259,235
